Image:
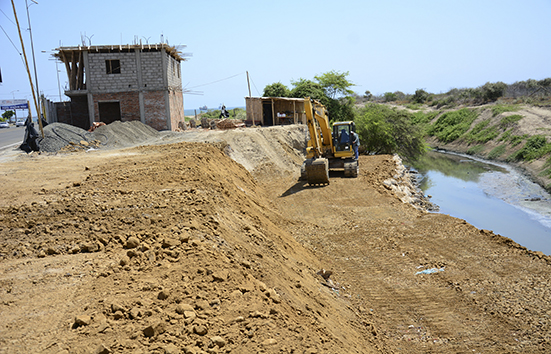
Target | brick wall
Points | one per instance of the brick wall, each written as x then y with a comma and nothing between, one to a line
129,103
176,102
155,109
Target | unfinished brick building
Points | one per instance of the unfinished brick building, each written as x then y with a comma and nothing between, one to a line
123,82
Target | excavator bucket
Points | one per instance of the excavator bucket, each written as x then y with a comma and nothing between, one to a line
317,171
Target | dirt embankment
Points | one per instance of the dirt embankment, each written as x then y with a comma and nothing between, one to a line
179,249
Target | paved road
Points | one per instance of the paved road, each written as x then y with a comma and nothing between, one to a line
11,137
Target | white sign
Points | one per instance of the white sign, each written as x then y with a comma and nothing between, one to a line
12,102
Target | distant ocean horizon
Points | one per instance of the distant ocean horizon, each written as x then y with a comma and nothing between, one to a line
191,112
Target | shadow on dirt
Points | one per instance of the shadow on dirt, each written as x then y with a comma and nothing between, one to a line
300,185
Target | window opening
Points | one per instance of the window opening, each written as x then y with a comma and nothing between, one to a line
113,66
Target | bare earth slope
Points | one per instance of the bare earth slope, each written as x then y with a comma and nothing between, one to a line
179,249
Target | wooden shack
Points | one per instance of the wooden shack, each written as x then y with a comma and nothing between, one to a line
268,111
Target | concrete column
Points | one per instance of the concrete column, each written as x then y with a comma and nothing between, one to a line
142,106
164,61
91,111
88,80
167,107
140,84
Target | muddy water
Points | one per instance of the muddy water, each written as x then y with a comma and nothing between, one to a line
489,196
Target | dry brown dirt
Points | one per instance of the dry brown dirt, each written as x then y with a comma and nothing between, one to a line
177,248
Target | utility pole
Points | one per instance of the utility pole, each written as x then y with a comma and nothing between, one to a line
32,51
249,84
28,71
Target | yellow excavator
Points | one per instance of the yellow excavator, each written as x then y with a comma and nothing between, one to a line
329,147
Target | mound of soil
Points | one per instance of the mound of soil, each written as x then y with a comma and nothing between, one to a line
178,248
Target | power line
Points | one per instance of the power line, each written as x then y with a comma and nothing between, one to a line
7,16
10,40
210,83
255,87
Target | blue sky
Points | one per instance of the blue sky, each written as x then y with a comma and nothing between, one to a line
384,45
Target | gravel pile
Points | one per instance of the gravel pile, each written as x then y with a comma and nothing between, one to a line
59,136
125,134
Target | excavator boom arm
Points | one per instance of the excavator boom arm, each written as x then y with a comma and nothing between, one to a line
320,134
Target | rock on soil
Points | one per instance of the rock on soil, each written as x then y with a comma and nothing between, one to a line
194,252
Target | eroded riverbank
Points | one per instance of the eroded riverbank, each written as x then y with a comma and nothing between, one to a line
489,195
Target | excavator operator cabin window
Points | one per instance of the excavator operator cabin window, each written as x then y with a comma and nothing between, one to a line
343,137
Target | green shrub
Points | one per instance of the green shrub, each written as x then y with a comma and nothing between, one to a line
423,118
517,139
496,152
536,146
500,108
506,136
452,125
383,130
509,120
445,102
492,91
481,133
421,96
475,150
390,97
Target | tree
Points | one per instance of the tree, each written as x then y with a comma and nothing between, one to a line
368,95
389,97
308,88
7,115
383,130
335,84
276,89
421,96
341,109
492,91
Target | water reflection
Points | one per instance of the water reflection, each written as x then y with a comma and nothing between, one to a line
489,196
452,165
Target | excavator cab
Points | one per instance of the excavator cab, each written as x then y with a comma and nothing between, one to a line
342,134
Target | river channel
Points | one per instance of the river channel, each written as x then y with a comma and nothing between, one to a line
489,196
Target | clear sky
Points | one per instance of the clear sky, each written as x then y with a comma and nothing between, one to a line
386,46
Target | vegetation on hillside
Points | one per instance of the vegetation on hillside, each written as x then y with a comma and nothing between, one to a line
536,92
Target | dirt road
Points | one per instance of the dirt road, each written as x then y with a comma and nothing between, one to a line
180,249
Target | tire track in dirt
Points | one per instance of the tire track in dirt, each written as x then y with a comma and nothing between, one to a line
375,245
413,311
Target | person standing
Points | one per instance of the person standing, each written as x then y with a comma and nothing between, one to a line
355,143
